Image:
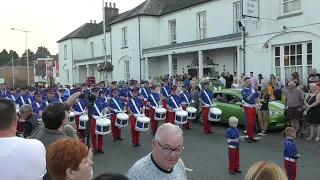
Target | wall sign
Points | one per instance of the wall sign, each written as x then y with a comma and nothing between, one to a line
250,8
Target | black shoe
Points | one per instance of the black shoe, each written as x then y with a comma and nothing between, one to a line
95,152
249,140
207,132
134,145
119,138
210,132
115,139
186,128
138,145
231,172
238,171
153,133
100,152
254,140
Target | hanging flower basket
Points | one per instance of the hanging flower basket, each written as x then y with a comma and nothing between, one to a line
100,68
108,67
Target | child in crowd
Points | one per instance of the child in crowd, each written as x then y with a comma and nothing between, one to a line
290,153
233,138
277,93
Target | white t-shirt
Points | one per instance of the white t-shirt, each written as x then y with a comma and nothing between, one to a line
145,169
22,159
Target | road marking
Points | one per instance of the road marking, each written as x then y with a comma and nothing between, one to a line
188,169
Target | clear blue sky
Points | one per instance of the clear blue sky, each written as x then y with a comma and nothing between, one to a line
48,20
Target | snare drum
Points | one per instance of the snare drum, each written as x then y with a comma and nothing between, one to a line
71,116
160,114
103,126
215,114
122,120
83,121
192,112
142,124
181,117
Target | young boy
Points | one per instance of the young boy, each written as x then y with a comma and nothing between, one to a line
290,153
233,138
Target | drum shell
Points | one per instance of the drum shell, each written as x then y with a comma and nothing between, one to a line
83,119
103,126
181,117
142,124
192,113
214,114
121,117
160,114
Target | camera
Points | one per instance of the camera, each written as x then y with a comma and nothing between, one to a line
89,96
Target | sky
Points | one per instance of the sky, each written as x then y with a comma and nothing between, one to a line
48,20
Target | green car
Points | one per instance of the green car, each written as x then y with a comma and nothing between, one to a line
215,84
229,101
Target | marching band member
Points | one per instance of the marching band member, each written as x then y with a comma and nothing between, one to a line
115,105
97,112
73,89
153,101
290,154
43,91
165,92
24,98
206,99
85,90
124,92
79,109
13,95
173,104
233,138
50,99
132,86
31,92
36,105
135,109
145,91
186,99
250,99
4,92
61,96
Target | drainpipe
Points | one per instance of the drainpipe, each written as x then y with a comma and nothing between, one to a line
72,62
140,46
110,52
244,49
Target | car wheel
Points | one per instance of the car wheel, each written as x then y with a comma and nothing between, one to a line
257,126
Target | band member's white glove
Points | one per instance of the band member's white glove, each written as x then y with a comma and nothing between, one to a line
154,107
115,110
161,106
183,103
143,115
176,109
207,105
192,101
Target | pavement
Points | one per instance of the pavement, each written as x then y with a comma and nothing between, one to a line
206,156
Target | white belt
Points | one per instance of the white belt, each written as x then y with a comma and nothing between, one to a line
96,117
249,105
290,159
231,146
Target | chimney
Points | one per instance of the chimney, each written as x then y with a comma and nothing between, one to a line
90,21
111,11
106,5
95,21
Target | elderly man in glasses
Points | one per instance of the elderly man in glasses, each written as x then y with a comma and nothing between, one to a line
164,161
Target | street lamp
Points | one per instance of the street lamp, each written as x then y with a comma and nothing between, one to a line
14,29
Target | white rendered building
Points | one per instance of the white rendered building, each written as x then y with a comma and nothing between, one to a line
169,37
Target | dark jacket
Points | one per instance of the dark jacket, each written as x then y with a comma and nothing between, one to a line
31,123
47,136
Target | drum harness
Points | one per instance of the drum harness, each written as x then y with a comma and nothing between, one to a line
165,90
38,105
145,92
155,102
135,106
13,98
207,96
185,96
174,102
81,108
97,109
115,101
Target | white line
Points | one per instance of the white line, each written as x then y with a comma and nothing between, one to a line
188,169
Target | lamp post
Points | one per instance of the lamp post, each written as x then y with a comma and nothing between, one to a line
26,32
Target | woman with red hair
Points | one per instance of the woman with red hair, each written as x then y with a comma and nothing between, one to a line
69,159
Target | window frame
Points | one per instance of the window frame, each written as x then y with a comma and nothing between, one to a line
124,34
91,49
202,25
172,31
236,13
65,52
175,66
284,2
127,73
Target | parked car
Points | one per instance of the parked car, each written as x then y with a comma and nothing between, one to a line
215,84
230,103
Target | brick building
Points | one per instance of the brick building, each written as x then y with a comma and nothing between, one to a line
20,75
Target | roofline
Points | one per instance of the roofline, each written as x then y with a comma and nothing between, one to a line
132,18
69,39
180,9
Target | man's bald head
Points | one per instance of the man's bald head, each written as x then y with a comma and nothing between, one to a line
291,85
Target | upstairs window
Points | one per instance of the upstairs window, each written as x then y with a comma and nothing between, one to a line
124,37
237,16
91,50
172,32
202,25
290,6
65,52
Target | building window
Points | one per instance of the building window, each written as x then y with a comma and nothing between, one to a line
309,58
292,60
277,62
124,37
65,52
237,16
92,72
91,50
127,70
67,76
104,48
175,66
202,25
290,6
172,32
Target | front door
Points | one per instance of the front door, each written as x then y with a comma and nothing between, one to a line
193,72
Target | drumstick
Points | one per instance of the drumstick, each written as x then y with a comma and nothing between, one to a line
300,162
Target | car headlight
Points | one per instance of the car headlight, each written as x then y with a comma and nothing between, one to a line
272,113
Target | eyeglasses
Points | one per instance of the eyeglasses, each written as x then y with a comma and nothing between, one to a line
177,151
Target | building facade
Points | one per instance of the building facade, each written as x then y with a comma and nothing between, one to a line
169,37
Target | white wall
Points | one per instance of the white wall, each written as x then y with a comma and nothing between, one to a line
64,63
98,47
131,53
301,28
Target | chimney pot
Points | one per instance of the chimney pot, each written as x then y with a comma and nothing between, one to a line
110,5
106,4
90,21
95,21
114,5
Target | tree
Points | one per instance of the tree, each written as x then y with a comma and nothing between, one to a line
44,50
6,57
31,55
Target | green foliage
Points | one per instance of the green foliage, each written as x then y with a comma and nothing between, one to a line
5,56
21,82
52,81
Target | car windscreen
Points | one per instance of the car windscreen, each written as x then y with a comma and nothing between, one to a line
216,83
